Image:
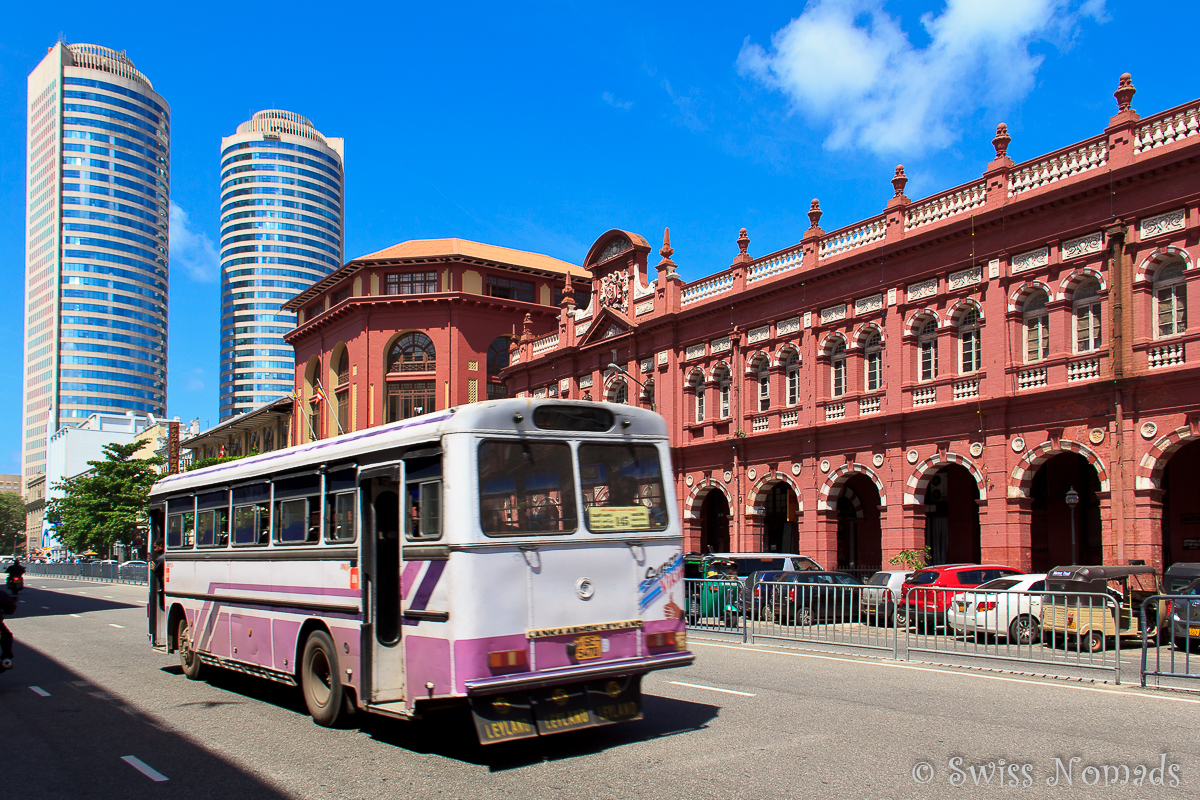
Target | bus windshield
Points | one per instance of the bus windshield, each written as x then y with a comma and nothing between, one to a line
526,487
622,487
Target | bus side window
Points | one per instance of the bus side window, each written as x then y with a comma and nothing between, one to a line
291,521
175,531
425,510
339,517
250,524
189,529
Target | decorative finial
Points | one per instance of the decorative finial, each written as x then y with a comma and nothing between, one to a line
527,329
568,293
1001,141
666,265
814,213
899,180
1125,92
743,242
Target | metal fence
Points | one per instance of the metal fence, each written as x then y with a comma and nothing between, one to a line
107,573
1181,631
1056,631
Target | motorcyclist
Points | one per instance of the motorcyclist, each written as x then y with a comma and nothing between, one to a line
16,571
8,607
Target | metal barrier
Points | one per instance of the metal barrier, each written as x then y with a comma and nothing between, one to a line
715,605
107,573
1179,632
820,613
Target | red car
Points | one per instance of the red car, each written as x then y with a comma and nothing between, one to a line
925,594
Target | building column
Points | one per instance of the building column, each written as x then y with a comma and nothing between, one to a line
825,548
1017,532
998,543
1147,540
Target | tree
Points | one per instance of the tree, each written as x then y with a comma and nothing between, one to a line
106,505
911,559
12,523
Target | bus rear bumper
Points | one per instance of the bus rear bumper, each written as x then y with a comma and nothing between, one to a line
560,677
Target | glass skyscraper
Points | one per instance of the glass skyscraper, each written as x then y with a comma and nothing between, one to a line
96,276
282,223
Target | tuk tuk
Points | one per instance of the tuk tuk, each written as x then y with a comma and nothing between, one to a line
1094,603
717,593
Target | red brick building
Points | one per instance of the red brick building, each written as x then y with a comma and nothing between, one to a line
418,327
938,375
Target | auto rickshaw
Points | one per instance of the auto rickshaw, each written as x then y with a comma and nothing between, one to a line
718,594
1092,604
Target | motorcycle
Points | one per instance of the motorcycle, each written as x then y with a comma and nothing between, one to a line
15,583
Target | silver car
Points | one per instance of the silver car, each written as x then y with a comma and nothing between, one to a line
1185,617
878,600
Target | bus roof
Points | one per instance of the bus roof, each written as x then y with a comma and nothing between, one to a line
497,416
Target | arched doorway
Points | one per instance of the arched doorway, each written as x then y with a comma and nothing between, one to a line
1050,524
779,515
1181,506
859,536
714,523
952,516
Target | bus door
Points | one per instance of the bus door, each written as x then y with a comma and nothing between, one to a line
156,601
383,658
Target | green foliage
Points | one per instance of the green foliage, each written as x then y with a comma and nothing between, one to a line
209,462
12,523
106,505
911,559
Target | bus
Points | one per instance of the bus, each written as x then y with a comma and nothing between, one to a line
520,557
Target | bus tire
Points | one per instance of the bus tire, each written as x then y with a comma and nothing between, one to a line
320,680
189,659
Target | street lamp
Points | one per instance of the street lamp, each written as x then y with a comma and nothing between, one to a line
1072,499
618,368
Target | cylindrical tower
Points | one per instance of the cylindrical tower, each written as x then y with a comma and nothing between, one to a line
97,216
282,229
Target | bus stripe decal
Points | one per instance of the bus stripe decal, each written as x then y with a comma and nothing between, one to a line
432,575
408,578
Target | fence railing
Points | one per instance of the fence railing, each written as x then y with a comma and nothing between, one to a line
108,573
1180,615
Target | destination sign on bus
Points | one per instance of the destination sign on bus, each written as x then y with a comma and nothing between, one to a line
618,518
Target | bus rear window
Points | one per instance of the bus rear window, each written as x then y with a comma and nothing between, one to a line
525,488
622,487
591,419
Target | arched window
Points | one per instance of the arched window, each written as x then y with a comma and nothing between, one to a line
969,350
619,392
648,393
497,359
762,371
1170,299
837,368
696,384
1086,303
412,352
343,368
791,372
927,346
721,379
873,363
1037,327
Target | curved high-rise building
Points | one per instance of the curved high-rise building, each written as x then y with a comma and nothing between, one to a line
97,212
282,229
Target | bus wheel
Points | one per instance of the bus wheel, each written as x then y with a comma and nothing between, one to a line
189,659
320,680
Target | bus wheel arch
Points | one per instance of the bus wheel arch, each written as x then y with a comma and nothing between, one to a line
173,617
319,675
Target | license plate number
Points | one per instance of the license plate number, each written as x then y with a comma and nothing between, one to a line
1194,631
587,647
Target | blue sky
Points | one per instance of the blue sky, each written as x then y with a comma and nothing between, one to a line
541,125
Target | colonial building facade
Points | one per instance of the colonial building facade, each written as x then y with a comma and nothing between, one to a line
418,327
951,373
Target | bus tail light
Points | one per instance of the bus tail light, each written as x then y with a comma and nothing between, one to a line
503,659
660,639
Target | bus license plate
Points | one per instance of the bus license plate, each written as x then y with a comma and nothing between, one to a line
587,647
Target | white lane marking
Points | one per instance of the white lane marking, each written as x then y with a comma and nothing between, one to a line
712,688
115,625
109,596
144,768
76,616
40,691
915,668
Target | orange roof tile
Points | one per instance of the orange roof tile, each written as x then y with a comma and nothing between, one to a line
443,248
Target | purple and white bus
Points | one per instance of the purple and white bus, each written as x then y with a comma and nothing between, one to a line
522,557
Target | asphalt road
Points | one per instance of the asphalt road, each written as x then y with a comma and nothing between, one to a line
755,722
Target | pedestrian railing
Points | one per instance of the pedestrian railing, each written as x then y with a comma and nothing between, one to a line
1056,630
1178,634
107,573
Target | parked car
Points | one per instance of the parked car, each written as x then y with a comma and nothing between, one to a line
747,564
1010,608
925,595
878,602
133,564
1179,575
1185,617
802,598
1076,604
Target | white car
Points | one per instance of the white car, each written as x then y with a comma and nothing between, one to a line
876,601
1009,607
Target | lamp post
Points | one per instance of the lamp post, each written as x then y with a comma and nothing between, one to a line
1072,499
618,368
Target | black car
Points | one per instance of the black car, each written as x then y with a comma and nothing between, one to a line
802,598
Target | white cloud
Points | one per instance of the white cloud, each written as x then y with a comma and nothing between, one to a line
192,249
849,64
623,105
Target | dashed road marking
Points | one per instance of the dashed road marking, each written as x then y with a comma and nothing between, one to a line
39,691
712,688
144,768
109,596
76,616
115,625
